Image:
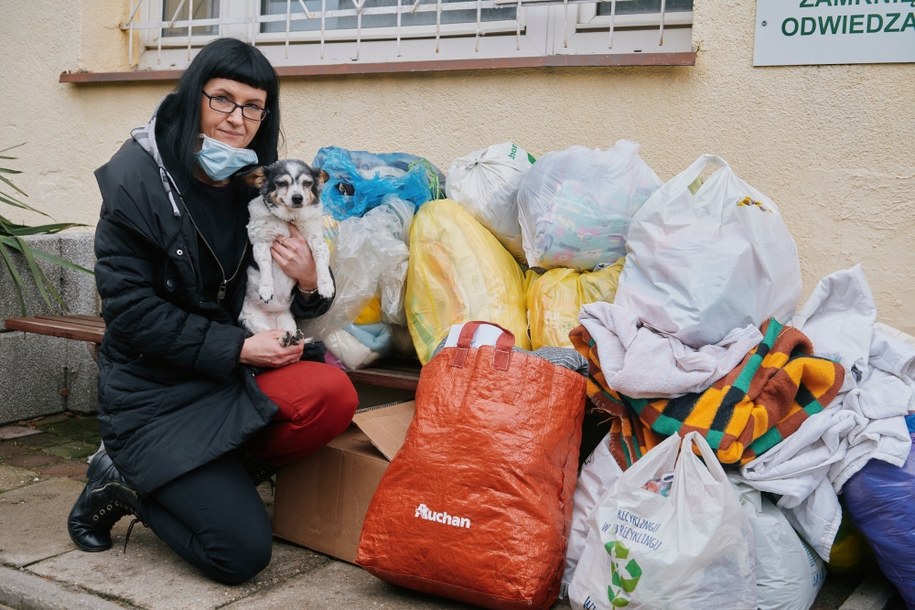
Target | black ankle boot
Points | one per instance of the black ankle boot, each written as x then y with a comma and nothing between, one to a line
105,499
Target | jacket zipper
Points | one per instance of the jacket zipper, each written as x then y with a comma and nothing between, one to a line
221,293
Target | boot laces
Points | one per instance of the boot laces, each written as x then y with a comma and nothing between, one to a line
133,522
112,512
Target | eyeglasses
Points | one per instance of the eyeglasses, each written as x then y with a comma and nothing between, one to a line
222,104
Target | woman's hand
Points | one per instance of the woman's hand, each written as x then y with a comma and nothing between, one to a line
265,350
293,255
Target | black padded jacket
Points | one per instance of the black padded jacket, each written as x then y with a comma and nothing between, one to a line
172,393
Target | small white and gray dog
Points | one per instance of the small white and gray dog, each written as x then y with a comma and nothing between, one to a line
289,193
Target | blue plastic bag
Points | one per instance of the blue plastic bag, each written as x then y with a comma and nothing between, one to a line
881,501
359,181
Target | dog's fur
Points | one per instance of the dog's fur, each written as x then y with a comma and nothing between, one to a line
289,192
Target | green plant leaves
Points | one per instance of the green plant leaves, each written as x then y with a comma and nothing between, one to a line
13,247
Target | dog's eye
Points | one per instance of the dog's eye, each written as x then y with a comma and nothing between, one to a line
281,182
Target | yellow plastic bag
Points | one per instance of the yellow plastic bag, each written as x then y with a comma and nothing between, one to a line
458,272
554,298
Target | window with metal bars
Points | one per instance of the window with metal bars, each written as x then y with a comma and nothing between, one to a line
354,32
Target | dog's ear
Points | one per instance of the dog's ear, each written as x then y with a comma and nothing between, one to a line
252,176
321,179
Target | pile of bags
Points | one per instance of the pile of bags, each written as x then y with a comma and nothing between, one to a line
683,298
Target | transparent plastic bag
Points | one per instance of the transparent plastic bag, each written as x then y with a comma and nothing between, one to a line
369,260
574,206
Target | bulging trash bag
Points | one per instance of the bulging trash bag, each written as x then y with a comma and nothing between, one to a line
359,181
701,262
459,272
574,206
555,297
485,183
369,261
668,533
789,574
881,501
598,474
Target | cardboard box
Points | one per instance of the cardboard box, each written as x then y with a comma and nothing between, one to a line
320,501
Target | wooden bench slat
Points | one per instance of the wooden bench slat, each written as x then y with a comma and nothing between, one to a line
92,329
67,327
383,378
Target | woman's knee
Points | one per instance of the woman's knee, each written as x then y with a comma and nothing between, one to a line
242,560
344,400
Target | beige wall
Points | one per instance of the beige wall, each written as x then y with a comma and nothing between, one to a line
831,145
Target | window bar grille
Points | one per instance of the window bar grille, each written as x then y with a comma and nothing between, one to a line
136,24
323,22
438,24
565,24
476,42
612,22
399,10
190,19
253,27
518,27
358,5
171,25
288,26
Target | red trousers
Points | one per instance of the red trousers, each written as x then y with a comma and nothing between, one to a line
316,403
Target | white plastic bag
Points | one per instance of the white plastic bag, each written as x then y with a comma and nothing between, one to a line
689,549
598,473
575,205
369,260
700,265
485,183
789,574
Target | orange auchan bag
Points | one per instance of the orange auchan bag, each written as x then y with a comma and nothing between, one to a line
476,505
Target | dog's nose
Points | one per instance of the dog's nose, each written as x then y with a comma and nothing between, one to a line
297,200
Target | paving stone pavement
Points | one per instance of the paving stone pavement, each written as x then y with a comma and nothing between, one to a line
42,470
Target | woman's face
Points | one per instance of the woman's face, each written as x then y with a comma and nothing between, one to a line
232,128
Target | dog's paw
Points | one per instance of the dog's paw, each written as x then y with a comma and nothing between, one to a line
326,288
265,293
292,339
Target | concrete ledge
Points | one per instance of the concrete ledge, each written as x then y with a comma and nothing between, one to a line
32,381
75,287
44,375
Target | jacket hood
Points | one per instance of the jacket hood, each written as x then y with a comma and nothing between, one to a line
145,136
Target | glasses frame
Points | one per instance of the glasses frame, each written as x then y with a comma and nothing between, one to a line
263,111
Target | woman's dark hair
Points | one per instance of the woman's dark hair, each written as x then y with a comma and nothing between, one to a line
178,118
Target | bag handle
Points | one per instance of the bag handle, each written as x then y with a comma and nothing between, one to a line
712,464
689,175
501,358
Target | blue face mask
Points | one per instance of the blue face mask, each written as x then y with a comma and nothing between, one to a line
219,160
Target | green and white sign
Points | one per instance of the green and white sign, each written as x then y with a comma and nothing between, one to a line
800,32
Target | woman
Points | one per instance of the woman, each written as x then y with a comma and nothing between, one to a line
193,413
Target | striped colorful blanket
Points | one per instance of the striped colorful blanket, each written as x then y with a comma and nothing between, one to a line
765,398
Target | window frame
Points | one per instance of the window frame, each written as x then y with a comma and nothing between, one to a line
547,33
